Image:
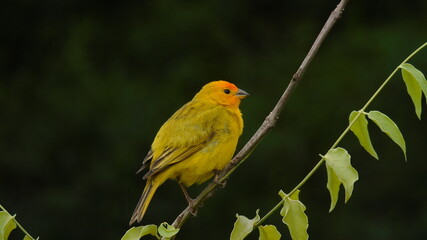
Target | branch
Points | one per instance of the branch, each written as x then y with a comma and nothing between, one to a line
268,123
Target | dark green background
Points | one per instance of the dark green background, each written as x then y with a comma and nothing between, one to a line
85,85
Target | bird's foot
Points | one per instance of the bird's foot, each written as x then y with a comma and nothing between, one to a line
190,201
218,181
192,211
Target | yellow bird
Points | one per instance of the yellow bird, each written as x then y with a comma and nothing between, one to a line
195,143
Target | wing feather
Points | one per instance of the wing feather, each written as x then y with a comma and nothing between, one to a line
145,162
187,132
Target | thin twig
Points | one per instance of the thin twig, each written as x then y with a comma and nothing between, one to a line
269,121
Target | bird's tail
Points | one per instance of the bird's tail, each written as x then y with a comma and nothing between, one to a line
147,195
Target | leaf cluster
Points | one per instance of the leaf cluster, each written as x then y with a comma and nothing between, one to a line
164,231
338,161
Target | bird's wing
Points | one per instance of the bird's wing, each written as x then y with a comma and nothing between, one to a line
146,161
188,131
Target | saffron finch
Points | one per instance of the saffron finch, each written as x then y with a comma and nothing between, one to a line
195,143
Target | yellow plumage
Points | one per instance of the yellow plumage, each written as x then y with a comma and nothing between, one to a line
196,141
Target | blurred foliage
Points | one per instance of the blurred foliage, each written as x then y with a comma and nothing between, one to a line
85,85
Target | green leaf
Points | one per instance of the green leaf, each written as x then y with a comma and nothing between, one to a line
167,231
7,224
27,237
135,233
268,232
418,75
414,91
389,127
415,83
360,129
338,161
333,186
294,216
243,226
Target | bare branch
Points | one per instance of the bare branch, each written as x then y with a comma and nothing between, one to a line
269,121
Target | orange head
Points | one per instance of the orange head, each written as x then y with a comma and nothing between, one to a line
221,92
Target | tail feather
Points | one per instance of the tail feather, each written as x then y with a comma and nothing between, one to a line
144,201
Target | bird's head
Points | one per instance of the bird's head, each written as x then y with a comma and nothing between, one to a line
221,92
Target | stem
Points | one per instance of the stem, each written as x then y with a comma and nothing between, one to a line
18,224
391,75
361,111
273,210
375,95
279,205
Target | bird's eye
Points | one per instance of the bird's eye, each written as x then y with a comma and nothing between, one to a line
227,91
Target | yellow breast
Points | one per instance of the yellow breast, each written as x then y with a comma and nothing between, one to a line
218,151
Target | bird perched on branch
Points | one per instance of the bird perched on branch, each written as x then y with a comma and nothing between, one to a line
195,143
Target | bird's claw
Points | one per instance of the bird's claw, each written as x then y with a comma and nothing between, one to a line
193,212
218,181
191,209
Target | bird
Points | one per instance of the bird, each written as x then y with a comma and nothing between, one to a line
195,143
